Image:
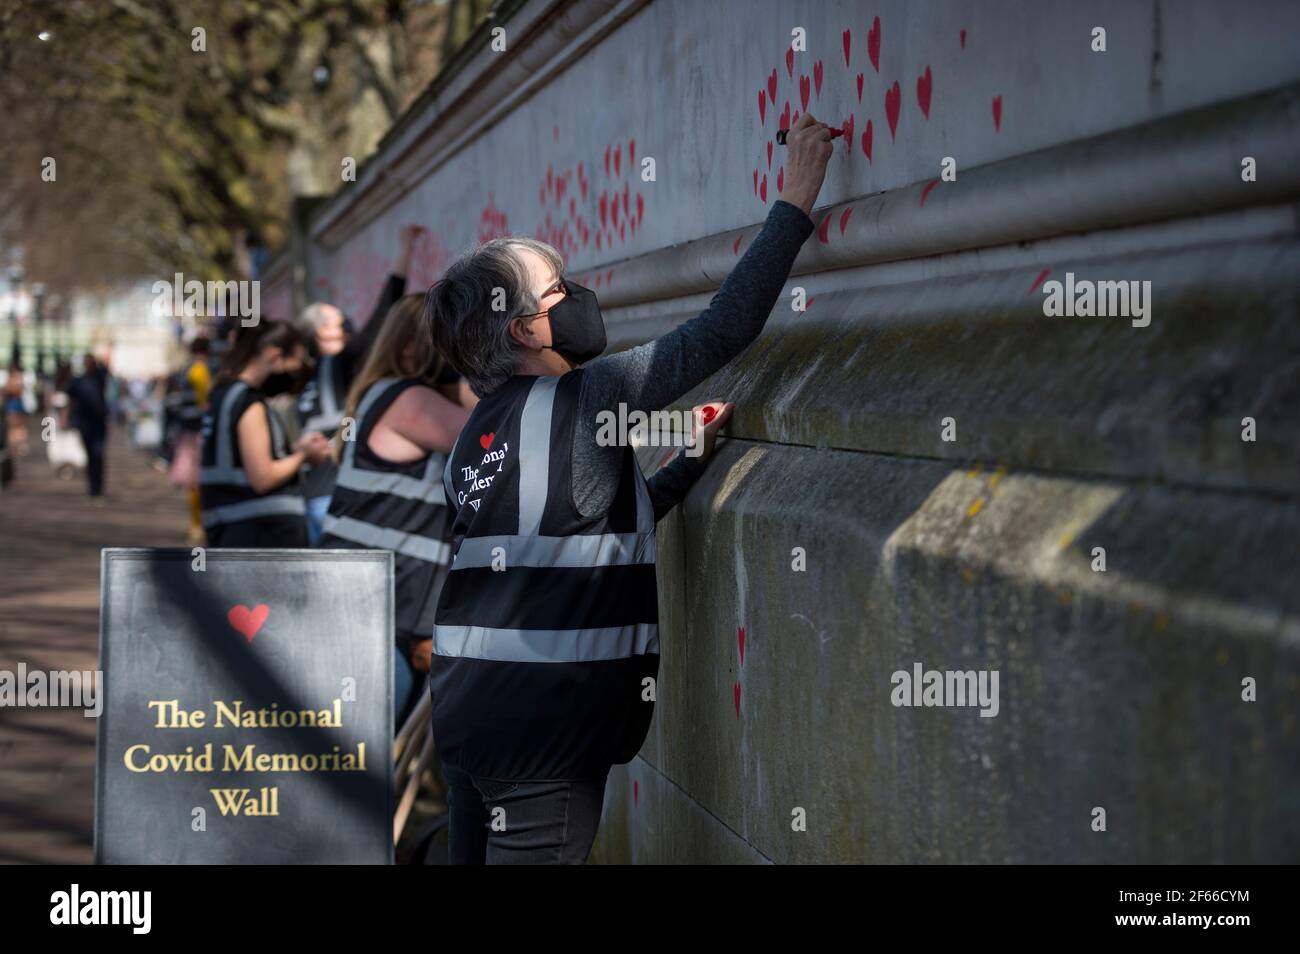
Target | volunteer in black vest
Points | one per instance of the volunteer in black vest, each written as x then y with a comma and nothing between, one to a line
339,356
388,494
546,643
249,479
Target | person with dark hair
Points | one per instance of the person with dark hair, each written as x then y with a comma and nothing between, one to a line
339,355
88,413
249,479
388,494
545,640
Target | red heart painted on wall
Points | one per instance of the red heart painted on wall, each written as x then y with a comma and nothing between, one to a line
780,179
923,88
762,189
817,81
247,621
789,61
485,440
736,692
762,107
771,86
785,117
866,140
873,43
893,100
844,218
860,77
805,88
997,113
846,38
769,154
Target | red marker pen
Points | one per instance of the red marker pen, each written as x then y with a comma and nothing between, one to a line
780,135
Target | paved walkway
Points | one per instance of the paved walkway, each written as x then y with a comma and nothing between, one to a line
50,538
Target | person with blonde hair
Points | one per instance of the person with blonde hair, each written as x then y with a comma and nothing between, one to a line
398,426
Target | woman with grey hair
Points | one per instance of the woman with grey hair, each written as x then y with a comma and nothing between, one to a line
545,643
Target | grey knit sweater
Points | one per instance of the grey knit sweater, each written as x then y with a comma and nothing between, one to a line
651,376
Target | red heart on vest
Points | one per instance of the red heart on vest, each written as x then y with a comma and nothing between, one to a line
248,621
485,440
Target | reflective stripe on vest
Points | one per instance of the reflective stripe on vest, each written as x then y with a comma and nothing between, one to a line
329,415
272,505
547,645
225,471
529,548
426,489
386,538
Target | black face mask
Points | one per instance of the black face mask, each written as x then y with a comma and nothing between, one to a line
577,328
281,382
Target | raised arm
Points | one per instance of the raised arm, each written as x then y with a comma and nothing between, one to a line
394,288
655,374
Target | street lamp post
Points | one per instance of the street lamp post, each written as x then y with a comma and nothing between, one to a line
15,282
38,296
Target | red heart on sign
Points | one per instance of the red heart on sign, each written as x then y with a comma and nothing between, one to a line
248,621
771,86
817,79
873,43
485,440
805,89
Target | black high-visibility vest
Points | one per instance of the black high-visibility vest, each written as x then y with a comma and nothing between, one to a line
384,505
224,490
320,408
320,405
546,629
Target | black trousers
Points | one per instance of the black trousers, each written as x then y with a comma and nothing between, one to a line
522,823
94,442
260,533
